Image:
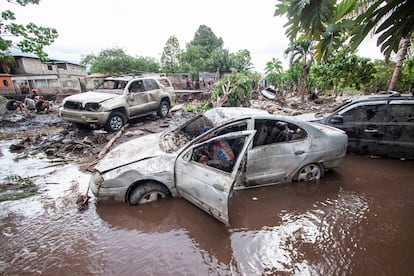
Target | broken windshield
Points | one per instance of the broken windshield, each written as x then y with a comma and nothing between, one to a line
111,86
173,140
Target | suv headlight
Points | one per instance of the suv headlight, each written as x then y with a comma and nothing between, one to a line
92,106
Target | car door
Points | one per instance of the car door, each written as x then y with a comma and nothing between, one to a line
365,124
278,149
153,93
208,187
399,138
137,98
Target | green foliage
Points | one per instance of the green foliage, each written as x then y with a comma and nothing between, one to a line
407,76
15,187
171,56
203,106
205,38
32,37
328,22
236,88
343,70
116,61
205,53
242,60
322,21
392,20
189,108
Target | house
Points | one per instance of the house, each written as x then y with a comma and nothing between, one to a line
54,76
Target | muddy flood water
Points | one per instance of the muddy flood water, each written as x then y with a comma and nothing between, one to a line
358,220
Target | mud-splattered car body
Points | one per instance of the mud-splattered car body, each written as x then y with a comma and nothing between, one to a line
381,125
118,99
262,149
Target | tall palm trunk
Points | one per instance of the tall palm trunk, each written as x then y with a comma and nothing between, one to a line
302,88
401,55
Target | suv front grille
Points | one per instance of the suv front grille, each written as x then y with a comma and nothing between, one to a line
73,105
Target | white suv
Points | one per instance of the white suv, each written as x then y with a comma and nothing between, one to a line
118,99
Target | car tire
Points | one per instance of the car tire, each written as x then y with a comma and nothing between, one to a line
10,105
146,193
309,172
163,109
115,122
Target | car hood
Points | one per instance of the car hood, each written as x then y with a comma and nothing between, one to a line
91,97
311,117
132,151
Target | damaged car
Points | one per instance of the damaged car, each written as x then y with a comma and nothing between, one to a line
379,125
214,153
116,100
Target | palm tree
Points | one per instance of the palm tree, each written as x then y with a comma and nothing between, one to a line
274,66
324,21
393,22
300,52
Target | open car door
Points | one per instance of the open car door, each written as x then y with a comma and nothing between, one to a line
206,181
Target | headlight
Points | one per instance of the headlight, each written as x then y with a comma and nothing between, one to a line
92,106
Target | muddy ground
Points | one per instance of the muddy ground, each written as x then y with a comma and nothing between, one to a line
357,220
47,133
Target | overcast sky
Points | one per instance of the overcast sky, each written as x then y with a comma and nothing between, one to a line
142,27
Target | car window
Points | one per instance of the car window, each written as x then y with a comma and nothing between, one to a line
402,113
150,84
136,86
107,84
366,113
219,154
276,131
164,82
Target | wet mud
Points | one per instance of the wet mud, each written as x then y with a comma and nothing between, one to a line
357,220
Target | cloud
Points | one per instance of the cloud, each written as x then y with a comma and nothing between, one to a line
143,27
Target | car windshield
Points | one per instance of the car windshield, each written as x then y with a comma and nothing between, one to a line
111,86
173,140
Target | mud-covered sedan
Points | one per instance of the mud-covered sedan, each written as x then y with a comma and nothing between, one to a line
213,154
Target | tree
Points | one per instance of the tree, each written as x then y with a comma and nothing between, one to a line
234,89
221,61
242,60
393,22
32,37
205,38
171,56
300,52
273,71
342,70
116,61
325,20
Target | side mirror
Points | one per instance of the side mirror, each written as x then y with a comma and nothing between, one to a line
131,96
336,119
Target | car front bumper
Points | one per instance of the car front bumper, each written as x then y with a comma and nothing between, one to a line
84,117
107,194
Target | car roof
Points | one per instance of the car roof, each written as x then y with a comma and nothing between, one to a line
128,78
389,96
220,115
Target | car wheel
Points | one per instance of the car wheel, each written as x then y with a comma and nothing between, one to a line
116,121
10,105
309,172
147,192
163,109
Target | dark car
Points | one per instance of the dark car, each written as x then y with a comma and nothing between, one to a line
381,125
